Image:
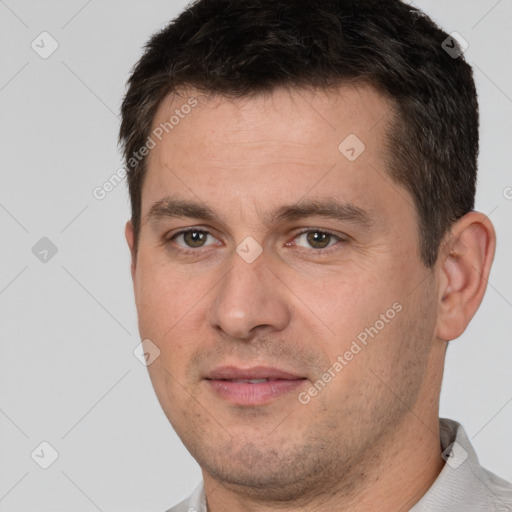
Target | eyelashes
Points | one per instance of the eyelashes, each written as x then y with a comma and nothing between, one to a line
195,241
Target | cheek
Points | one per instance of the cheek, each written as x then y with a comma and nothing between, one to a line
162,299
170,308
168,385
345,303
363,324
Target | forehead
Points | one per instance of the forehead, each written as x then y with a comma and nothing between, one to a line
296,115
269,148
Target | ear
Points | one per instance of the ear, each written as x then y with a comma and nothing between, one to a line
465,262
130,238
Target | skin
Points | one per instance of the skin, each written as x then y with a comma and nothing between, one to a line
369,440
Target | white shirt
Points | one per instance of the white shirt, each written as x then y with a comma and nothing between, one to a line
462,486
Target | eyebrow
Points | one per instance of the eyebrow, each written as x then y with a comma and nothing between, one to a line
331,208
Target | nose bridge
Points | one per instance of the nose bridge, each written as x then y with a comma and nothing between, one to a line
249,296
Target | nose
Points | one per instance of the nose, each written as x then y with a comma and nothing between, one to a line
249,299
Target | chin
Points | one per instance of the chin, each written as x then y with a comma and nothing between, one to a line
270,473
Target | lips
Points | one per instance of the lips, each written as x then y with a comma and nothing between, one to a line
251,381
257,372
252,386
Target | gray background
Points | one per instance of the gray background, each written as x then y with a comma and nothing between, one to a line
68,375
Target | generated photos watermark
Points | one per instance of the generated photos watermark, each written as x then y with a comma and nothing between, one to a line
101,191
357,345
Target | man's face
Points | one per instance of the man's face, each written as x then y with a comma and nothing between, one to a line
310,257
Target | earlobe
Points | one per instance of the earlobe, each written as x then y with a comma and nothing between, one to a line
130,239
464,266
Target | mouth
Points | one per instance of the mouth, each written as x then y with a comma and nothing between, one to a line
252,386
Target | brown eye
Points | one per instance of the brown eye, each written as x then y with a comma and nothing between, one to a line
316,239
192,238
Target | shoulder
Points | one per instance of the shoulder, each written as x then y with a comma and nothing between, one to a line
196,502
182,506
499,491
463,484
463,478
